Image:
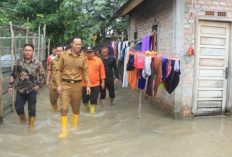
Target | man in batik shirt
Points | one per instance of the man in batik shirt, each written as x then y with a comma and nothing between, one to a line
27,83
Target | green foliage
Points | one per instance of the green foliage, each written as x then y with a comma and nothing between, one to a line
66,18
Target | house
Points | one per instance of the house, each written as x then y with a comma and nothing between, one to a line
206,25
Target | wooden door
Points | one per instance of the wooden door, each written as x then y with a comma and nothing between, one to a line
211,76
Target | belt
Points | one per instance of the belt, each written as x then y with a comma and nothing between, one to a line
71,81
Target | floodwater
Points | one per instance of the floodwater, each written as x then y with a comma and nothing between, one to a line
115,131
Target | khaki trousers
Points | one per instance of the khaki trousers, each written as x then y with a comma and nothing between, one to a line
71,93
53,93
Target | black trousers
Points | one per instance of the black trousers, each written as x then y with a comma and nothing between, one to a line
92,97
21,101
109,84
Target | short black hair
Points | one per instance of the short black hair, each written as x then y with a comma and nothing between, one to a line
30,45
104,47
75,38
60,46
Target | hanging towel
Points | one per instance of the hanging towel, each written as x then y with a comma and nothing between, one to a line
146,43
139,61
130,63
147,67
132,78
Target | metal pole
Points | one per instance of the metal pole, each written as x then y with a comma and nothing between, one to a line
12,45
1,106
140,100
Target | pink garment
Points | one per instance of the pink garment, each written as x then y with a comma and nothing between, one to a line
139,61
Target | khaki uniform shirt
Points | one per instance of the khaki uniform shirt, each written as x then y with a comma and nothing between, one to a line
53,68
72,68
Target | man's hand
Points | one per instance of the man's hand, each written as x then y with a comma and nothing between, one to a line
116,81
48,84
102,85
59,90
36,88
88,90
10,91
11,79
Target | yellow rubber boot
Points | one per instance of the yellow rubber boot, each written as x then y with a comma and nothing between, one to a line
55,108
75,118
86,107
31,122
64,125
92,108
22,118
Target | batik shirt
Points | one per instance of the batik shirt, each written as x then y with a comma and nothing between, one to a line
27,75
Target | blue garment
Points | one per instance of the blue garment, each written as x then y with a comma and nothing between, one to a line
141,81
122,55
137,47
130,63
111,51
164,67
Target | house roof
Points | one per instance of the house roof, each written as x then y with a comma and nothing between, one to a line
126,8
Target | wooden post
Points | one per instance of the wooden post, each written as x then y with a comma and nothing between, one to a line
12,45
33,39
44,31
39,45
27,35
140,104
1,106
48,47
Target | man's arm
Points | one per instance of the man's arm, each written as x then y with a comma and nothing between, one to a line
102,74
115,71
39,83
49,72
86,76
12,79
59,70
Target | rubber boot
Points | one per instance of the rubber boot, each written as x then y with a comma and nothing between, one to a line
64,125
92,108
31,122
22,118
55,108
103,102
75,118
86,107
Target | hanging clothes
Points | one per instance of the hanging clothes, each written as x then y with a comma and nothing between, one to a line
158,71
111,51
146,43
132,78
116,50
149,88
139,61
147,67
172,80
154,41
130,63
141,81
137,47
124,80
164,68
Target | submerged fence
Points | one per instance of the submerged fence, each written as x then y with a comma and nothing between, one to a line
12,40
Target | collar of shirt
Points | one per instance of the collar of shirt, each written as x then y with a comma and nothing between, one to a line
33,60
105,57
70,53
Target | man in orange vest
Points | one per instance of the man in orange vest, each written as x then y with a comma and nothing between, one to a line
96,74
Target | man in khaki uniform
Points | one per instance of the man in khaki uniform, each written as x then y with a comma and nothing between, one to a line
51,73
72,67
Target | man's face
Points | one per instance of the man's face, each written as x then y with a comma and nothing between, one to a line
59,51
76,45
28,52
89,54
54,52
105,51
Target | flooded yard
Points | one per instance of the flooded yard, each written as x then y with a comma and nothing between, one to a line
115,131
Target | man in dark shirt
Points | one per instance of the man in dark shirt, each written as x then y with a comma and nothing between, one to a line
25,72
111,77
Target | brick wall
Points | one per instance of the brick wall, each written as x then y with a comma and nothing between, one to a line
142,19
198,8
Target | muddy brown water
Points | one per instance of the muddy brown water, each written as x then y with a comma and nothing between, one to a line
115,131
